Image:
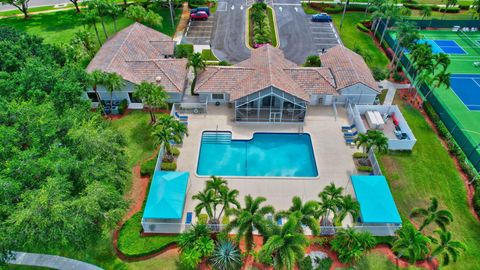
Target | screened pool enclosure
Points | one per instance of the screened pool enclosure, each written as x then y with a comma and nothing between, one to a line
270,105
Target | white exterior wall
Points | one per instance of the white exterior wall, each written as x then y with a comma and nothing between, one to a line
207,97
123,94
358,94
327,100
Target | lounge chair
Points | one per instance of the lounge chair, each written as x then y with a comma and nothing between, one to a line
351,134
348,128
181,117
350,141
188,219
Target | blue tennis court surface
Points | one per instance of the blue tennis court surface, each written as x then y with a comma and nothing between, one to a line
467,88
445,46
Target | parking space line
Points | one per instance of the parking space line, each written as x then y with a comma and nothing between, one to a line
325,38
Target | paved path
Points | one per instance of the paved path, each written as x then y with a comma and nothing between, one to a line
51,261
392,89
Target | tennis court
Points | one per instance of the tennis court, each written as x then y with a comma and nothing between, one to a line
467,88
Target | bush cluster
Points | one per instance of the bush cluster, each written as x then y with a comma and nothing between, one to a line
365,169
261,25
168,166
148,167
183,50
123,106
437,8
379,74
360,155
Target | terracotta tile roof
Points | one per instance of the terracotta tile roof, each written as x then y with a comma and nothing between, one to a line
267,67
348,68
137,54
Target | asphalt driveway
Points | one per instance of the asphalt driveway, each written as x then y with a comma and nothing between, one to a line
228,41
199,32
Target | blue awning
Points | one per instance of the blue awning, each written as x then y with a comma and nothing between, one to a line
375,199
167,194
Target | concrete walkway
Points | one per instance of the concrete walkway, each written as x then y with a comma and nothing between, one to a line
51,261
392,89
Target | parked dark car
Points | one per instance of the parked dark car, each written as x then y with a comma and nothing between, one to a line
195,10
199,15
321,17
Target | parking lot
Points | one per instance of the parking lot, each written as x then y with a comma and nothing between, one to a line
324,35
200,32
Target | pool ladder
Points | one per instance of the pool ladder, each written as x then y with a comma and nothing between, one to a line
217,137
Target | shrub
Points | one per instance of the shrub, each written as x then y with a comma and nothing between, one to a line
183,50
148,167
397,76
313,61
360,155
464,7
202,218
333,9
323,264
365,169
379,73
450,9
305,264
123,106
224,63
168,166
362,27
175,151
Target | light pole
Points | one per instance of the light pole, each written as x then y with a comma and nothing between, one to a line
344,10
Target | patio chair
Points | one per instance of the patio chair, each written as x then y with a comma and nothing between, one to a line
350,141
350,134
188,219
348,128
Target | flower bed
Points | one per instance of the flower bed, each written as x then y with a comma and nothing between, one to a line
261,25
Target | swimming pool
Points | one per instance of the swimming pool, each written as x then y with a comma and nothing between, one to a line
266,154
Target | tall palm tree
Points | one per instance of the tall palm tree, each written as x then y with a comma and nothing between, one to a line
113,82
329,201
206,199
216,184
446,247
438,80
432,214
426,12
407,34
96,78
250,217
113,10
197,62
308,214
378,14
90,18
378,140
441,59
351,244
227,199
363,141
288,246
168,130
392,12
346,206
153,96
102,9
410,243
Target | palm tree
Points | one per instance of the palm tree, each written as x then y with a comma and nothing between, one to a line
308,214
351,244
431,214
426,12
250,217
378,14
363,141
197,62
90,18
206,200
442,60
392,12
113,82
188,238
410,243
442,78
329,201
96,78
407,34
288,246
446,247
346,206
101,8
226,256
114,11
153,96
168,130
227,199
216,184
378,140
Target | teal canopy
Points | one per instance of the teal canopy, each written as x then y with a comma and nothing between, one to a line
375,199
167,194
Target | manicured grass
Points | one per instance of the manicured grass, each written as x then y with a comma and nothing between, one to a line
26,267
34,9
352,38
137,131
273,29
376,261
131,243
59,27
462,15
208,55
429,171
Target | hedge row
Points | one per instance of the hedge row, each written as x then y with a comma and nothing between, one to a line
438,8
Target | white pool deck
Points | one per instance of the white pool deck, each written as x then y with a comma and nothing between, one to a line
333,157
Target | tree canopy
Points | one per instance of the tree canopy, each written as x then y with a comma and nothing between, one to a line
62,168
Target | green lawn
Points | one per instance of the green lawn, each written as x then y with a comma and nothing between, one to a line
59,27
352,37
429,171
376,261
25,267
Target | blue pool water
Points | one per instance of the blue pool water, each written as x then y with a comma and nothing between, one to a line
266,154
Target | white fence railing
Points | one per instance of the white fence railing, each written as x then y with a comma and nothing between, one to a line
374,162
173,228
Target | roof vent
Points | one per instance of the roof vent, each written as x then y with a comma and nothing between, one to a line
158,79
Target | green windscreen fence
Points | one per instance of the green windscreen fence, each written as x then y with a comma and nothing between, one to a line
463,136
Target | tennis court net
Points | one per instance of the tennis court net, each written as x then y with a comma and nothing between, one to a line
471,43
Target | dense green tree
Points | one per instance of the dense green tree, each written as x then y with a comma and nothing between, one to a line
21,5
141,15
286,248
196,62
153,96
90,18
251,217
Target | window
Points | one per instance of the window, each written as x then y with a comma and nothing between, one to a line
133,99
92,96
218,96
